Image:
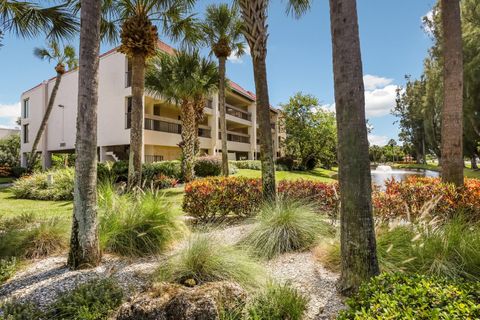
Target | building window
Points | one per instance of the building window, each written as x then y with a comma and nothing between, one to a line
128,113
128,74
156,110
26,108
25,133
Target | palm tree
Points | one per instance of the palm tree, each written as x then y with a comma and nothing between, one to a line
62,56
223,32
358,246
29,19
84,246
254,14
187,80
139,21
452,113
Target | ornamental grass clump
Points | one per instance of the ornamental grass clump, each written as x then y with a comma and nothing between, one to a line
140,224
56,184
284,226
206,259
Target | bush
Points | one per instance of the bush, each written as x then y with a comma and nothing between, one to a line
277,302
205,259
15,310
17,172
248,164
170,169
138,225
96,299
210,198
5,171
284,226
399,296
286,162
208,166
163,182
37,186
40,240
7,268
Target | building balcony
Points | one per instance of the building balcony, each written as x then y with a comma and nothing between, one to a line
235,137
173,127
239,113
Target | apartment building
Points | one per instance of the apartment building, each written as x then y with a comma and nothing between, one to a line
163,124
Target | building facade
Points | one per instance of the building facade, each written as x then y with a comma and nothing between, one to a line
162,119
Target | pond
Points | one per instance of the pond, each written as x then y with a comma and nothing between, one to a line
382,173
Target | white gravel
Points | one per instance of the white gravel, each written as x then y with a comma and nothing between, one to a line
44,280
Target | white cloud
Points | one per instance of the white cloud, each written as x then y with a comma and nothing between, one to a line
374,82
379,102
233,56
9,114
429,17
378,140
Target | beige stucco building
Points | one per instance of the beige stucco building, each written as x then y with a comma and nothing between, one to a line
162,120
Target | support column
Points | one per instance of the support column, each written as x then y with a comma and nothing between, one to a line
46,160
213,123
23,160
252,131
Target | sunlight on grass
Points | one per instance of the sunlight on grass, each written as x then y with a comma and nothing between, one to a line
318,174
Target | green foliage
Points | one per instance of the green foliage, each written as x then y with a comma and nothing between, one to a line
7,268
400,296
136,225
311,132
213,198
37,186
208,166
247,164
388,153
15,310
206,259
10,151
284,226
277,302
94,300
170,169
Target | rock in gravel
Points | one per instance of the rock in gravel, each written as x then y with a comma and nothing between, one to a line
174,302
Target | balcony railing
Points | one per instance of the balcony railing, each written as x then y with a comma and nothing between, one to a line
150,158
233,111
235,137
172,127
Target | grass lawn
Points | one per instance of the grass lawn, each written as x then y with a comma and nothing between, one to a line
316,174
6,180
469,173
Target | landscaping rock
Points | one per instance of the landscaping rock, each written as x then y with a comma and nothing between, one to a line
175,302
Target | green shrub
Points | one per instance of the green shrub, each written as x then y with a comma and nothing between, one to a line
21,221
208,166
7,268
400,296
286,162
277,302
17,172
170,169
205,259
248,164
15,310
96,299
42,239
136,225
163,182
285,226
37,186
212,198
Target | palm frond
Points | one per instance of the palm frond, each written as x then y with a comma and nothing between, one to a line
298,8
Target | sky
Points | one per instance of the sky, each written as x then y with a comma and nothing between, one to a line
299,58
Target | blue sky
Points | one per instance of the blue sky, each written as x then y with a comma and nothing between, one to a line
299,58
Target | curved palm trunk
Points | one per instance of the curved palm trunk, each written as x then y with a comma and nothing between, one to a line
84,246
358,246
452,118
254,14
138,115
188,141
223,119
43,124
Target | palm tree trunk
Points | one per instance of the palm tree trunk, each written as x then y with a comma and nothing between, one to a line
84,246
188,141
358,246
452,118
138,115
43,125
223,118
473,161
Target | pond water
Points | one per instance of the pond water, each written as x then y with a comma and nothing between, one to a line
382,173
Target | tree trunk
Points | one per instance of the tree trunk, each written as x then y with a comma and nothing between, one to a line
473,161
188,141
138,116
254,13
43,124
452,113
358,246
223,119
84,246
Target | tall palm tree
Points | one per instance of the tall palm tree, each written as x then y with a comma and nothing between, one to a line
84,246
64,57
30,18
185,79
254,14
358,246
139,21
222,28
452,113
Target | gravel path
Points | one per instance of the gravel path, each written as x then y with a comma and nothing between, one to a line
44,280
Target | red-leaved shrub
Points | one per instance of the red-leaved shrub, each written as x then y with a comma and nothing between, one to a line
324,196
